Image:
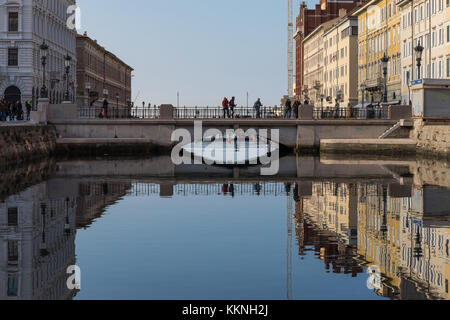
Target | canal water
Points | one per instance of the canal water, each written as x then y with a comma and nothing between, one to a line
144,229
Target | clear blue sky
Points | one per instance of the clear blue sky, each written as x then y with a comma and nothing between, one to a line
206,49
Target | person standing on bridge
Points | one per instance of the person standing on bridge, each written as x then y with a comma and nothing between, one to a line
257,106
296,107
232,106
225,107
105,109
288,109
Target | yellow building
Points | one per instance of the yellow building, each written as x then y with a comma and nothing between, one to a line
379,35
340,43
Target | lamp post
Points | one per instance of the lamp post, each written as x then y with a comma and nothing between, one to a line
67,224
385,61
88,88
117,104
408,81
43,246
363,93
67,61
419,50
43,50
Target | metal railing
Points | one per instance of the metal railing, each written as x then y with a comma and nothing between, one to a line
220,113
154,112
351,113
179,113
141,189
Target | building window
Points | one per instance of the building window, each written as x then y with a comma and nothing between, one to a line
13,22
13,57
448,67
13,251
12,217
13,285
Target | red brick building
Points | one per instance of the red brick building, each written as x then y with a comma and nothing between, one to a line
307,21
101,74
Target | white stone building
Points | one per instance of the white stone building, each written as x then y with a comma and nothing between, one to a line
424,22
24,25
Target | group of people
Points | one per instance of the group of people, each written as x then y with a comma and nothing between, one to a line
228,107
291,108
13,111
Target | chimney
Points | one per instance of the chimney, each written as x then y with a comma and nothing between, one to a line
342,13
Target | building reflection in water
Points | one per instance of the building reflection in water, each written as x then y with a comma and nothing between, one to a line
37,235
403,231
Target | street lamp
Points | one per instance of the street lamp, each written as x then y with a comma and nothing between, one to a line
385,61
419,50
117,104
43,50
88,88
363,91
43,246
67,61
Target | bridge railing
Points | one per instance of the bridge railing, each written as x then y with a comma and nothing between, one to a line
351,113
179,113
238,113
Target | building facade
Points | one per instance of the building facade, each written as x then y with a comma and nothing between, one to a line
307,21
24,26
424,22
313,55
100,74
379,35
340,44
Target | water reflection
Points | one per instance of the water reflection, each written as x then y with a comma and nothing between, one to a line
382,214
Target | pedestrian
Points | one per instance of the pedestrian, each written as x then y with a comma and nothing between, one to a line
288,109
105,109
13,115
19,112
225,107
296,107
232,106
337,106
257,106
28,106
2,110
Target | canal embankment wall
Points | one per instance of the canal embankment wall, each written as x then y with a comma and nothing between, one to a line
432,138
22,142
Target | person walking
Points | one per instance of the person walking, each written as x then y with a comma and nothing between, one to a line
257,106
232,106
288,109
225,107
105,109
296,107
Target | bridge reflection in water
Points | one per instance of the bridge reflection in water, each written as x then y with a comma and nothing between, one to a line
350,224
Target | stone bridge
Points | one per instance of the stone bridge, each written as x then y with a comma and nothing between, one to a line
301,134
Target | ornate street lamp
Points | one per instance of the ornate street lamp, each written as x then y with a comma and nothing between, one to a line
385,61
43,50
67,61
419,50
